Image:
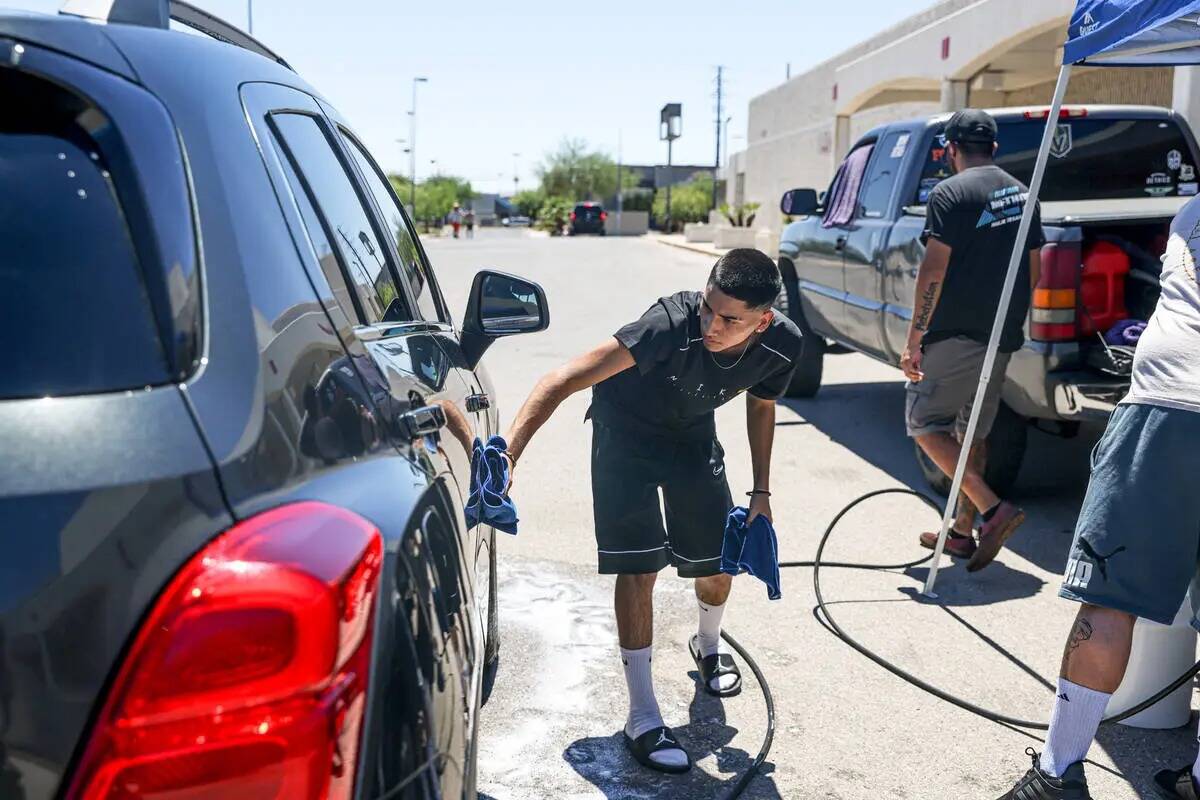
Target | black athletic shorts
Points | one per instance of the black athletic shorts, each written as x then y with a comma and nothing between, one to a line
627,472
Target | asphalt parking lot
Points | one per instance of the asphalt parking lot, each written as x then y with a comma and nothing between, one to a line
846,728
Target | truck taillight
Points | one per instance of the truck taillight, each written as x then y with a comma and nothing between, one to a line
249,676
1065,113
572,216
1053,316
603,216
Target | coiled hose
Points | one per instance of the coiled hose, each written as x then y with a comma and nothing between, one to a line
827,618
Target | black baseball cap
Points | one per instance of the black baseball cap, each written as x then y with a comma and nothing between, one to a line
971,125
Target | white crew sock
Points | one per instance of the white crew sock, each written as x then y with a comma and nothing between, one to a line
1077,714
643,706
708,639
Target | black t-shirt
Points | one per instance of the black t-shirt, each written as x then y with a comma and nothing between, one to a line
977,213
678,383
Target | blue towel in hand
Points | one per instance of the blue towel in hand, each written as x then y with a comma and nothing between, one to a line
752,549
488,501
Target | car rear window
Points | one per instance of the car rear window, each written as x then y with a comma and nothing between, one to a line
75,317
1091,159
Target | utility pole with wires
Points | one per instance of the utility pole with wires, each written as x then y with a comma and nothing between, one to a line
720,121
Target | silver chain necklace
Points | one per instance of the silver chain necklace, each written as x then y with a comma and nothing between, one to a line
745,350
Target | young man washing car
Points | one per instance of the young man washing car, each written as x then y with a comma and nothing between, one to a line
656,385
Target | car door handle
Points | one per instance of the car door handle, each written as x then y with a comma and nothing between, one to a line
421,422
478,402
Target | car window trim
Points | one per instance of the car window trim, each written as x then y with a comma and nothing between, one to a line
368,208
436,293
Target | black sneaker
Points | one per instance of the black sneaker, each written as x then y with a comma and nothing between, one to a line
1037,785
1176,784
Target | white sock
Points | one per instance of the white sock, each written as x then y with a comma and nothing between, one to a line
643,706
1077,714
708,639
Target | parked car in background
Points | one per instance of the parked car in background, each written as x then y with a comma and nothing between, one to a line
588,218
516,222
236,562
1117,176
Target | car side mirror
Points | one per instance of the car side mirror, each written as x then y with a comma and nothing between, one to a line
799,202
501,305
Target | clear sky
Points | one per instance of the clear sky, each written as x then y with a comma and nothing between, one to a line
518,76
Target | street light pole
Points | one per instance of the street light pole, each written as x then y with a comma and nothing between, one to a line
670,129
412,145
515,157
250,17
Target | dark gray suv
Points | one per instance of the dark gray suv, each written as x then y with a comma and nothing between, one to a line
236,420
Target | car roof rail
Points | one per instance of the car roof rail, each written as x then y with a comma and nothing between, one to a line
159,13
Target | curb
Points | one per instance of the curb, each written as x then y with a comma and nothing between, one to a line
694,248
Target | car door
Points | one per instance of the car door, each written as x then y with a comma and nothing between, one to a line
905,252
819,272
405,372
866,241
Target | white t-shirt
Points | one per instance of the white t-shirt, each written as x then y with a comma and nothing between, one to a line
1166,367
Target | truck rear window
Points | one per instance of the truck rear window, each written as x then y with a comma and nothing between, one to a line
74,315
1091,159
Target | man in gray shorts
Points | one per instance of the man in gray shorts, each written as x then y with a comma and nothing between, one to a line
972,221
1138,537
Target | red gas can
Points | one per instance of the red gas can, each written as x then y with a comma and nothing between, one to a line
1102,287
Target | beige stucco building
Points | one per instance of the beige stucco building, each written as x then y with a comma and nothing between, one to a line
983,53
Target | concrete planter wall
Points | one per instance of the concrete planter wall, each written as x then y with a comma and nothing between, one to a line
699,232
633,223
729,238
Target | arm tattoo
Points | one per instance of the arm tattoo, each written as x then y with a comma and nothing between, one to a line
921,322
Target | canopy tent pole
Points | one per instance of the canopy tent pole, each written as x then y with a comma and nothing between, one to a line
989,361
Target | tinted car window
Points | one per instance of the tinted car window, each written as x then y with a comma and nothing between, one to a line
877,187
74,312
326,257
1091,159
415,269
346,222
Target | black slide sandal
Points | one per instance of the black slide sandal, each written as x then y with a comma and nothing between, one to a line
653,741
714,666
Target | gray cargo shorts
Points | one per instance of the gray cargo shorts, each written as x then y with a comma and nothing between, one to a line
941,403
1137,542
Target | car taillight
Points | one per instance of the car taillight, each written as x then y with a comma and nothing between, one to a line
603,216
572,216
1053,317
249,676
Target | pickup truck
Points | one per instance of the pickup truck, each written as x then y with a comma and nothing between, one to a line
1116,177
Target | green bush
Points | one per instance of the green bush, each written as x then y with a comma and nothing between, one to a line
637,201
690,201
528,202
554,215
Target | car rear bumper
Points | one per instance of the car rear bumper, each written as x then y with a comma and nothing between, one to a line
1047,381
1086,396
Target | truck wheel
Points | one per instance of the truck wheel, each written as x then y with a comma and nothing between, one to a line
1006,451
806,381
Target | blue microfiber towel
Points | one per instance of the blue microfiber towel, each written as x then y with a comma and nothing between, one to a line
752,549
488,501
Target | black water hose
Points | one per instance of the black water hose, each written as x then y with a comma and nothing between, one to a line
827,618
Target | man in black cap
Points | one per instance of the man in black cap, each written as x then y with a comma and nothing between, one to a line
972,223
